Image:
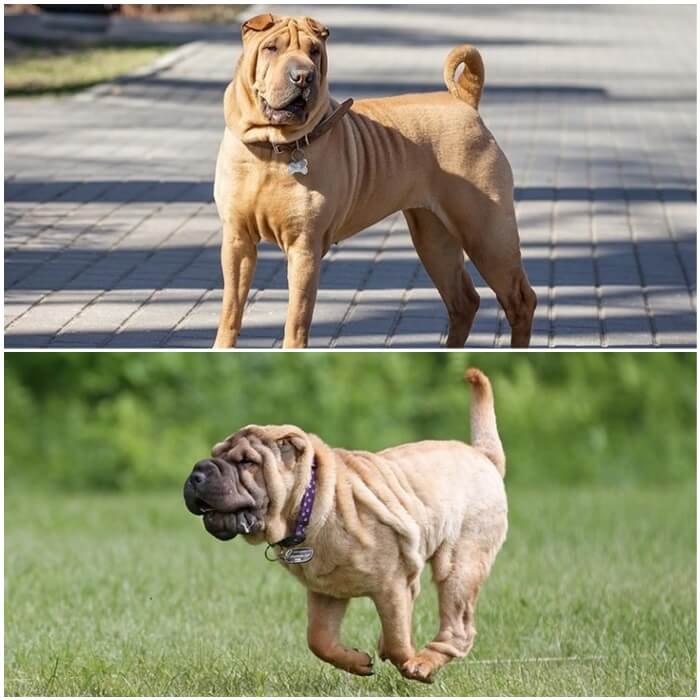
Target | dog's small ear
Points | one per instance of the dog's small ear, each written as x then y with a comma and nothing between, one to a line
290,448
289,454
257,24
317,28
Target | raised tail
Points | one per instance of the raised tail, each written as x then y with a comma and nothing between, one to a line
483,420
470,83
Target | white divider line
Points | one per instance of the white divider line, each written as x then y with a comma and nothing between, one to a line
541,659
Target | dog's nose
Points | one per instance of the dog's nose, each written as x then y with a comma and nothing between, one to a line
197,478
201,472
301,76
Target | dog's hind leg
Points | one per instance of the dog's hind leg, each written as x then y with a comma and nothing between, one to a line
459,571
502,269
323,634
495,252
443,259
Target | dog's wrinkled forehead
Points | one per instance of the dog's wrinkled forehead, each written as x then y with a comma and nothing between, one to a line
241,447
261,445
264,26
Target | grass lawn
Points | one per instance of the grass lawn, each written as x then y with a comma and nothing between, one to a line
127,595
32,69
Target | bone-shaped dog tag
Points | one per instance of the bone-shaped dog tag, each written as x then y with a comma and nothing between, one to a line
297,555
298,165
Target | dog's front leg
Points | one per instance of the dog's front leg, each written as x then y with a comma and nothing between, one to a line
395,608
325,617
303,274
238,260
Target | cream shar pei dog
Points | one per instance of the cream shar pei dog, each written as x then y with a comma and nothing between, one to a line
348,523
299,170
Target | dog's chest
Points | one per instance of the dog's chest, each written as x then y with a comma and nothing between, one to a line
264,198
326,574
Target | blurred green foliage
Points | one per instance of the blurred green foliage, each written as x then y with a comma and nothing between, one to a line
140,420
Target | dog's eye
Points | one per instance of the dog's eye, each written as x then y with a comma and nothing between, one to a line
315,51
270,48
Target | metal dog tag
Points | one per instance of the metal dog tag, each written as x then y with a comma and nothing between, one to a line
298,165
297,555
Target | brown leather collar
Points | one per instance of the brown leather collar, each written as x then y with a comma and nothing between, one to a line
321,129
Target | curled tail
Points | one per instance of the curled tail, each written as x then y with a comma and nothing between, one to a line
468,86
483,420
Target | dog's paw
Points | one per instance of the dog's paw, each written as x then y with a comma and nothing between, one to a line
418,669
362,664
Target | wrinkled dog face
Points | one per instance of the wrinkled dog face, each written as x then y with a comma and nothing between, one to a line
290,66
246,481
229,495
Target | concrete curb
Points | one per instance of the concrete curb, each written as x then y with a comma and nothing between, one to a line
162,63
168,60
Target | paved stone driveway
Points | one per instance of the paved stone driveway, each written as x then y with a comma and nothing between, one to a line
111,237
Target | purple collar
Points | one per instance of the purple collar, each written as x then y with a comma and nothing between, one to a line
307,504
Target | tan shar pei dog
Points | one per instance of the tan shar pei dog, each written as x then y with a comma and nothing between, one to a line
297,169
368,524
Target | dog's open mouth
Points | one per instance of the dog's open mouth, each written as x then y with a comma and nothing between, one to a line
292,112
225,525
